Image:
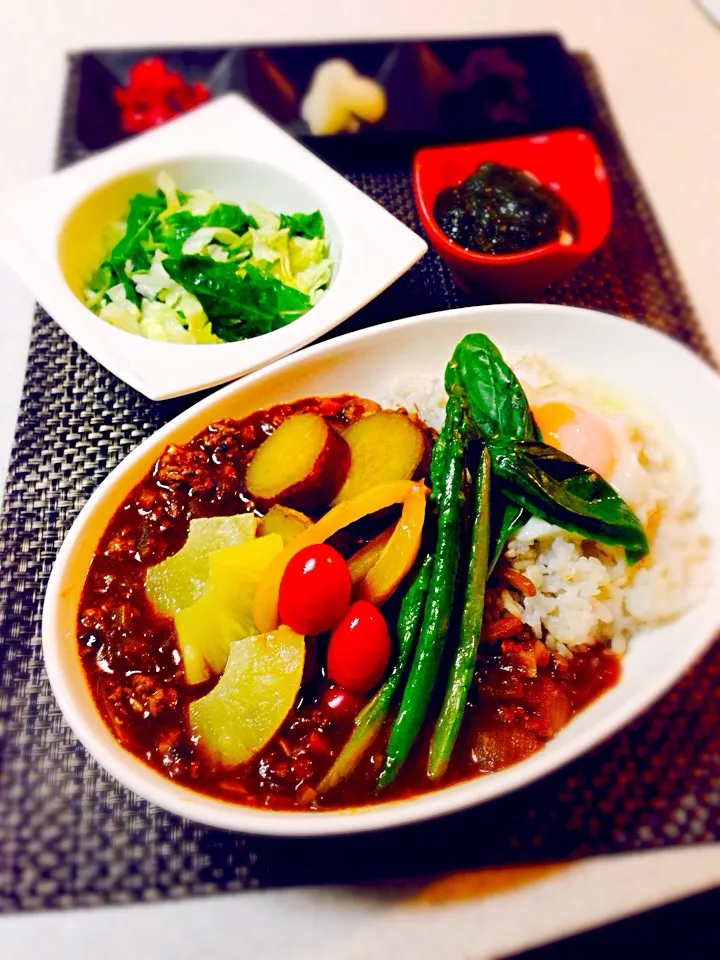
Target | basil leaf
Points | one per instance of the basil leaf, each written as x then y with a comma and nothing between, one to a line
553,486
498,404
498,407
238,305
308,225
506,518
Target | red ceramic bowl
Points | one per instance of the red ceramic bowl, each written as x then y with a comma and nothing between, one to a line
567,161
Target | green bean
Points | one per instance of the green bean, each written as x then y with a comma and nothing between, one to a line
441,591
461,673
369,721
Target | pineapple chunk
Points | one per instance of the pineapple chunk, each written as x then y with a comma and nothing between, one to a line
224,612
180,580
252,698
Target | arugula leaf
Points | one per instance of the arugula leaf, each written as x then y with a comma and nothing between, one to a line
216,284
143,212
288,302
99,283
498,404
309,225
557,488
237,305
173,231
118,275
229,215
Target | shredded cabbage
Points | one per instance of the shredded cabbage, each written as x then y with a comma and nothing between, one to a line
199,241
124,315
166,186
149,284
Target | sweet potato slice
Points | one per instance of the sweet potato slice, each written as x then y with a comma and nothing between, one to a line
285,521
302,464
385,446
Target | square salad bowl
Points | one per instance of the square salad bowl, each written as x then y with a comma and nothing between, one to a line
53,233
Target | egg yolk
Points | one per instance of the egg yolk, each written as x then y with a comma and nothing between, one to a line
579,433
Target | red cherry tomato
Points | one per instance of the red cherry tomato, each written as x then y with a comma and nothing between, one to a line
359,648
315,590
340,704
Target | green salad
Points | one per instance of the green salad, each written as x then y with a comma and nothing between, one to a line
189,268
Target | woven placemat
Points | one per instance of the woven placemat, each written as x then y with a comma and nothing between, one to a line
71,836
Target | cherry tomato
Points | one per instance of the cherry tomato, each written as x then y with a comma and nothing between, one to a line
315,590
359,648
340,703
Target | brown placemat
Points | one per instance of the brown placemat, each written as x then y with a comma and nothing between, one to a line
70,835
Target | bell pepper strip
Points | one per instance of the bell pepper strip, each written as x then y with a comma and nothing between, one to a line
350,511
155,94
399,553
361,562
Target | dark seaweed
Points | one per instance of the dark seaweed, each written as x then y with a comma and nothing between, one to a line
500,209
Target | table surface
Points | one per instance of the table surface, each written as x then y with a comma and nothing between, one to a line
660,64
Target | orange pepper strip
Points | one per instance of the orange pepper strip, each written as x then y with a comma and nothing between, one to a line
376,498
367,556
399,554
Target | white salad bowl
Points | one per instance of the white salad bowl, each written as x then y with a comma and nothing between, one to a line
641,363
52,233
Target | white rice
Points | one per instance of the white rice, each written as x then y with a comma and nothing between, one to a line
586,592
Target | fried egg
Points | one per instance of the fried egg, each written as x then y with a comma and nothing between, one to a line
592,427
581,434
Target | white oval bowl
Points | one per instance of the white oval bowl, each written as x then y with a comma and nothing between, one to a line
678,386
